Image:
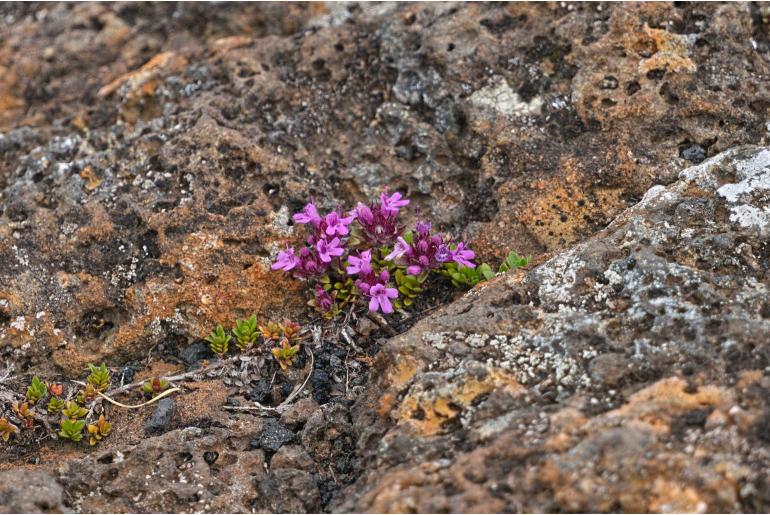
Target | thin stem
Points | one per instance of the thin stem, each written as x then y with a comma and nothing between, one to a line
382,323
286,403
180,377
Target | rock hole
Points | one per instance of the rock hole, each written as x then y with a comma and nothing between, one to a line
632,87
182,458
271,189
110,475
609,82
759,106
665,92
656,74
96,323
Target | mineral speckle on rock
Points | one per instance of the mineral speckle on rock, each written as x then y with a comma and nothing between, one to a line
643,359
273,436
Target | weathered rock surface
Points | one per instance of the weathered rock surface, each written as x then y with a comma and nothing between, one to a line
629,373
170,473
151,156
30,491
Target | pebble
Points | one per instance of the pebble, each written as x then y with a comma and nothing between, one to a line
694,154
273,436
194,353
260,392
161,418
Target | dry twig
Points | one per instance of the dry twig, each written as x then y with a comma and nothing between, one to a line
286,403
382,323
179,377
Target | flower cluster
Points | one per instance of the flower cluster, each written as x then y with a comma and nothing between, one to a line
379,221
371,283
423,252
352,255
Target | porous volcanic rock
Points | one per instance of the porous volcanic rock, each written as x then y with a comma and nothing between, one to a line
629,373
30,491
151,156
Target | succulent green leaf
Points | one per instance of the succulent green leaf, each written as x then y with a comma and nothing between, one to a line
72,429
55,405
36,390
246,333
219,340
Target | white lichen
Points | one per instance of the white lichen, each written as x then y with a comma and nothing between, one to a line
499,97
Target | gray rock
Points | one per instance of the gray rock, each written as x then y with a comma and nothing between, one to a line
292,457
30,491
170,473
298,413
161,417
273,436
194,353
289,490
694,153
625,349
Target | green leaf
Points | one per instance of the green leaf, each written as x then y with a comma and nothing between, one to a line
72,429
99,377
219,340
514,261
55,405
36,390
73,412
486,271
246,333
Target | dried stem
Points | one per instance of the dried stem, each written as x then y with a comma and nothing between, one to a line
382,323
286,403
180,377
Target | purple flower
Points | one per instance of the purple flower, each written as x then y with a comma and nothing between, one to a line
423,228
360,265
308,215
427,252
335,224
328,249
379,225
287,260
323,301
367,281
310,266
380,298
462,256
376,288
399,250
443,253
391,204
414,269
